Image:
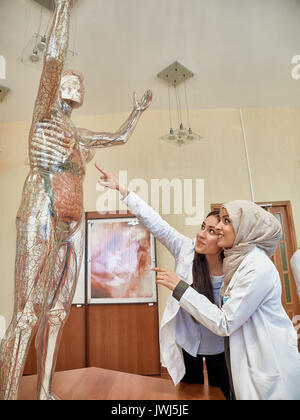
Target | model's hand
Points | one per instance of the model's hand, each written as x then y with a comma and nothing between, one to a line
110,181
144,103
166,278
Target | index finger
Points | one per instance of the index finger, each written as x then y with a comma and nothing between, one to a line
101,170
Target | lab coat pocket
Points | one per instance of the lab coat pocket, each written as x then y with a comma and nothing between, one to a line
264,387
293,339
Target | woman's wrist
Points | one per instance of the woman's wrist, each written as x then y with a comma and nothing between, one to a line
180,289
123,190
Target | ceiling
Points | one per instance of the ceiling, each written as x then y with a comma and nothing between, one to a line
240,52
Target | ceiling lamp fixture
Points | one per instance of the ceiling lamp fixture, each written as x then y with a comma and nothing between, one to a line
174,75
33,52
35,56
42,43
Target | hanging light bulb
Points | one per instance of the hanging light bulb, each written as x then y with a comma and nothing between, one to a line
192,136
42,44
181,131
171,136
35,56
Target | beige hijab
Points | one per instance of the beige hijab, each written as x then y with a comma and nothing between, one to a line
253,226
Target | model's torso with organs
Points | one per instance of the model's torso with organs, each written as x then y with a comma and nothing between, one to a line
54,151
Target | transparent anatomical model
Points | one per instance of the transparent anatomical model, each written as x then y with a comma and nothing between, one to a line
49,222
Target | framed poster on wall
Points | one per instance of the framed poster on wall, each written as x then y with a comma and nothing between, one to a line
121,253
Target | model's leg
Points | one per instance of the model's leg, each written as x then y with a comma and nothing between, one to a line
48,339
32,271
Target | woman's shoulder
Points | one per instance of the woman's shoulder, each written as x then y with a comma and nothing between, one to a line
258,261
257,270
187,251
258,254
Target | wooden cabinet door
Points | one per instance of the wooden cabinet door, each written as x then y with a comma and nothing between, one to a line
124,337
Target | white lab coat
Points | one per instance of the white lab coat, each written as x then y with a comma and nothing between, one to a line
295,265
265,361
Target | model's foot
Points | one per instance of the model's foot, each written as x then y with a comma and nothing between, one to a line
53,397
48,397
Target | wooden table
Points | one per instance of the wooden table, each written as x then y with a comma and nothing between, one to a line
101,384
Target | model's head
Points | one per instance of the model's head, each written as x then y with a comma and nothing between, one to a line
72,88
207,237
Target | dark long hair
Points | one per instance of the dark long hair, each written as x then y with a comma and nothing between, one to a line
201,277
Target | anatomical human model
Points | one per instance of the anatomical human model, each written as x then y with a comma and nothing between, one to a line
50,218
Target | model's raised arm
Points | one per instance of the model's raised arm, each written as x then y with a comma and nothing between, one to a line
56,50
103,139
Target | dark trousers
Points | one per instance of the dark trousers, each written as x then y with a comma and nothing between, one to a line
216,371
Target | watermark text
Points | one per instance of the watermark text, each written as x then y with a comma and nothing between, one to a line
176,196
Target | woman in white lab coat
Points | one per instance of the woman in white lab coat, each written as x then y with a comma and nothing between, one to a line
184,342
264,358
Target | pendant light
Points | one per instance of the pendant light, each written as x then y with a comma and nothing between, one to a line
174,75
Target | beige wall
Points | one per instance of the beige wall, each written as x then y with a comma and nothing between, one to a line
219,158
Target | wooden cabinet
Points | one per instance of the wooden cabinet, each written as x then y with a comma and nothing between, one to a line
124,337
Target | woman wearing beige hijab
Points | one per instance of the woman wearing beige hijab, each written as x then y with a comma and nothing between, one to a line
262,342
